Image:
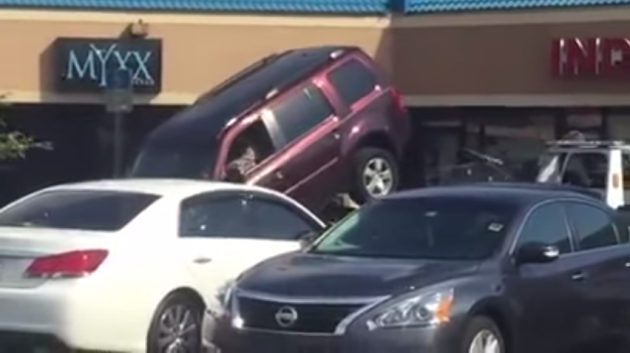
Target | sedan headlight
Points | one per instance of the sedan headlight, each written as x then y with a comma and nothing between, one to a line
424,309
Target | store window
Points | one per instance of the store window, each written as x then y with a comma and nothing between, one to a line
482,144
515,138
590,122
618,122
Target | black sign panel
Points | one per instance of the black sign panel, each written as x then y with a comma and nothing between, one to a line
86,65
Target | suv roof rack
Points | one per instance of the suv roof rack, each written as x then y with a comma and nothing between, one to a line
586,144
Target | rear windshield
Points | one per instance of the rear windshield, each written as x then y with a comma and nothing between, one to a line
429,228
96,210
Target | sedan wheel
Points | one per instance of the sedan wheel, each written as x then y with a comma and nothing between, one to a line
481,335
176,328
485,342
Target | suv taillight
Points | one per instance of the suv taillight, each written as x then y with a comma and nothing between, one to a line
71,264
398,101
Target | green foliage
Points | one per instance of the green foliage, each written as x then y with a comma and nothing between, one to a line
14,144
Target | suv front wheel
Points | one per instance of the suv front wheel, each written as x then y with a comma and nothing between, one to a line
375,174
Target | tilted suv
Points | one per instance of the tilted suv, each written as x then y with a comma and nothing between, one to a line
312,122
493,268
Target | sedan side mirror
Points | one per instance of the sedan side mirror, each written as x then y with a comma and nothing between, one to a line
306,239
536,253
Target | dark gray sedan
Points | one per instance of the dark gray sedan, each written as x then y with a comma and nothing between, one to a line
470,269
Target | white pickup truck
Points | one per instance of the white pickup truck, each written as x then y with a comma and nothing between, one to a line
597,165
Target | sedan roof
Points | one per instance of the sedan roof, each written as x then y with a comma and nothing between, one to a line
520,193
162,187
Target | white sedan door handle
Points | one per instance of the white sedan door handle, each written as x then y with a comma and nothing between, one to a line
202,260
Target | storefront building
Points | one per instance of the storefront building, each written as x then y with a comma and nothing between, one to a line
499,76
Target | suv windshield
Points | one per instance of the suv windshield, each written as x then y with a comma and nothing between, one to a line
175,161
423,228
98,210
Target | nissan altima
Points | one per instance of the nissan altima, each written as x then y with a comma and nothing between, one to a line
479,268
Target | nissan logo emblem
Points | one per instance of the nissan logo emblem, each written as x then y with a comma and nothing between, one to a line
286,316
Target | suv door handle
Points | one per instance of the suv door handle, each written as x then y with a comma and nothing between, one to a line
279,175
579,276
202,260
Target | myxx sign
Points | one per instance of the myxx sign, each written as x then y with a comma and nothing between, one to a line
85,65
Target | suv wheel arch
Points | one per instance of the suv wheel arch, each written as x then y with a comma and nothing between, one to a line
377,140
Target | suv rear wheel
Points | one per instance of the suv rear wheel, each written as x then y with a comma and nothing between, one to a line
375,174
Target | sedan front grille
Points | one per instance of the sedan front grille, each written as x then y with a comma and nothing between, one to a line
310,318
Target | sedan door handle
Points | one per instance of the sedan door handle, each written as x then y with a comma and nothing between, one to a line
627,264
579,276
202,260
279,175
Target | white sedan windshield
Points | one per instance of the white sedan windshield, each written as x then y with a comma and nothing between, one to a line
97,210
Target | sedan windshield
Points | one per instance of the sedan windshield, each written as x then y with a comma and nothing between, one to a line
97,210
422,228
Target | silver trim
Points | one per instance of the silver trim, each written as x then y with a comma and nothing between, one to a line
343,325
287,333
368,302
305,300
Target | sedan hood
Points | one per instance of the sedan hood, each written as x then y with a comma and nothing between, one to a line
311,275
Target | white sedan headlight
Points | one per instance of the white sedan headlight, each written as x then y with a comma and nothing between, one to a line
421,310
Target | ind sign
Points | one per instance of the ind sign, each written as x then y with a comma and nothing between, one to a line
85,65
591,57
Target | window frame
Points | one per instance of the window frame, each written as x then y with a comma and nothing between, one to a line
571,154
335,88
274,200
574,232
150,198
299,90
527,217
209,195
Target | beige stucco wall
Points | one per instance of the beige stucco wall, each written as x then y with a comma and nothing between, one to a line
491,58
198,51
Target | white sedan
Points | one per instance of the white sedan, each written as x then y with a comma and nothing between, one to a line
132,265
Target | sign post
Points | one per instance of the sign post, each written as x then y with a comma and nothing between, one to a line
119,101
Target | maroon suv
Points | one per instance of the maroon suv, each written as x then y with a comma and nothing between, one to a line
312,122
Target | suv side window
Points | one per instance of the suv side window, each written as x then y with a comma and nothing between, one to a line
547,224
593,227
353,81
301,111
275,220
586,169
214,216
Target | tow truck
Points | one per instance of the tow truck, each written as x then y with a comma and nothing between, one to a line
596,165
